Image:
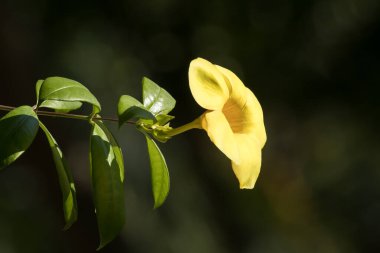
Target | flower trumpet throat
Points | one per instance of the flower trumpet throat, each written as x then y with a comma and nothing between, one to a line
233,119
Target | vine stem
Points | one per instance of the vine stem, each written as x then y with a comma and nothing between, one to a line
65,115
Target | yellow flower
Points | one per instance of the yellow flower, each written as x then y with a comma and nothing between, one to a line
233,120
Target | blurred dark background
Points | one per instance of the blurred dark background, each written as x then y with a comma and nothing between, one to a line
314,66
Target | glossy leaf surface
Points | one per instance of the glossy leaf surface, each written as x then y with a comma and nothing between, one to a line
107,183
18,129
115,147
156,99
130,108
159,173
66,182
38,87
59,88
61,106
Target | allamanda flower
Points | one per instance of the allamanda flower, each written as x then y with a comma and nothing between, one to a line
233,119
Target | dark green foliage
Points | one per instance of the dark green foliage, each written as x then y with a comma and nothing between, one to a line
107,174
159,173
18,129
66,182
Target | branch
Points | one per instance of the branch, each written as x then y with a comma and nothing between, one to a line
65,115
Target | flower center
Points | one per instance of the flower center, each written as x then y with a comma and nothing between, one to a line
234,115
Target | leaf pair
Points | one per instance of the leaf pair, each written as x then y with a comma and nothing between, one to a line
150,116
64,95
106,159
157,103
18,129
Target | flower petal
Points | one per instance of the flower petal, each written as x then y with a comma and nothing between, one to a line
247,171
251,120
254,118
235,85
221,134
207,85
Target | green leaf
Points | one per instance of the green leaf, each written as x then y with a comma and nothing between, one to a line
159,173
58,105
18,128
160,133
156,99
66,182
107,173
130,108
162,119
59,88
38,87
115,147
61,106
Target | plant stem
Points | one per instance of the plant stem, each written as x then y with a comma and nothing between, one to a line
62,115
6,108
65,115
197,123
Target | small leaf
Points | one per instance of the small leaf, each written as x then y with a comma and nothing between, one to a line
59,88
156,99
38,87
66,182
107,183
159,173
147,122
61,106
160,133
162,119
18,128
130,108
